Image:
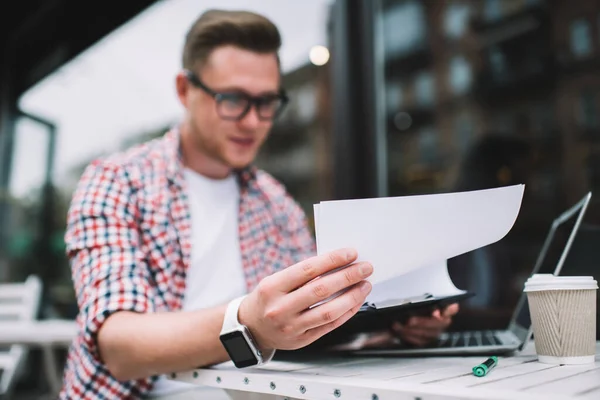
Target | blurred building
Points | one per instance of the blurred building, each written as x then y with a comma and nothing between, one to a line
524,68
476,94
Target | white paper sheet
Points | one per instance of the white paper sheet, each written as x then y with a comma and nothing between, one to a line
316,217
400,234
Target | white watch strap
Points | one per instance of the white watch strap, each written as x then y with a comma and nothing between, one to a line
230,322
267,355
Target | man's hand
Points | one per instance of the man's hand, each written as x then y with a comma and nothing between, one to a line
420,331
277,312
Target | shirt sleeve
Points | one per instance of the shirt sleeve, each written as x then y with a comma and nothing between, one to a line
301,241
103,245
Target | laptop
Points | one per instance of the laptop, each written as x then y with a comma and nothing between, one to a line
519,330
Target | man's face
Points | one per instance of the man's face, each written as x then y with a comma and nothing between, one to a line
231,70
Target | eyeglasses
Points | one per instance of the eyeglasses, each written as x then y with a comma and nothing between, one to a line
234,105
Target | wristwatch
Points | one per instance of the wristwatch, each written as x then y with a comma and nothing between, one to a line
238,341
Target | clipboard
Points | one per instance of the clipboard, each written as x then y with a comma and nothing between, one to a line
373,316
380,317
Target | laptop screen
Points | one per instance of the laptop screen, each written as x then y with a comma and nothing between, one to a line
550,260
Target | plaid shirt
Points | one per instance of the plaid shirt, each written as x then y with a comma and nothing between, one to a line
129,241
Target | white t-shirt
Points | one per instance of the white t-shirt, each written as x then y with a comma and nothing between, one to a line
215,275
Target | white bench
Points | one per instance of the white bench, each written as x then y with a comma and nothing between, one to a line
18,302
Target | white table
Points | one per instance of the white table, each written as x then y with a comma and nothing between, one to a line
516,377
44,334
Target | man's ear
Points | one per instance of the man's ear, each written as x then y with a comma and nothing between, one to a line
182,87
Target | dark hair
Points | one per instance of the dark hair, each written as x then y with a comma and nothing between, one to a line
216,28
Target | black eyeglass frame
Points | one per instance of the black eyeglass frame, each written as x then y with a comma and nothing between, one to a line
255,101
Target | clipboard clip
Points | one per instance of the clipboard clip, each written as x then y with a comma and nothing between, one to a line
398,302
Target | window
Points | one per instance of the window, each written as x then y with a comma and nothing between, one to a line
306,103
542,119
394,96
404,27
581,40
492,10
456,20
427,145
460,75
424,87
588,110
498,64
463,131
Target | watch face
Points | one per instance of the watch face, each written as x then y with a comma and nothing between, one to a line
238,349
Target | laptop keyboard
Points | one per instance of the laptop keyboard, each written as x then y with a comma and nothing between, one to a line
469,339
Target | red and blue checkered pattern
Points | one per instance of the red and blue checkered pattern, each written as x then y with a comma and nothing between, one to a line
129,241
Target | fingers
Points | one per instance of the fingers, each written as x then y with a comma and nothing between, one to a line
326,286
429,322
417,330
381,339
298,274
314,334
420,331
451,310
417,340
331,311
416,336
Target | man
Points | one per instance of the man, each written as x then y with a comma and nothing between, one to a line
163,237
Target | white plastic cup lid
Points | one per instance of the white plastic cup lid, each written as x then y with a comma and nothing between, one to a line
538,282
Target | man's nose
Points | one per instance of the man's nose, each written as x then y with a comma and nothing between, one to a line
251,120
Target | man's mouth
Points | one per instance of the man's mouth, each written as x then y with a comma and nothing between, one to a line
245,142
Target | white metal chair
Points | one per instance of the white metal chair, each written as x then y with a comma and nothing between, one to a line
18,301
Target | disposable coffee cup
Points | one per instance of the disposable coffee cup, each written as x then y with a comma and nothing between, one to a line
563,315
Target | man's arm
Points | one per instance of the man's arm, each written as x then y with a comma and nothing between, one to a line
277,313
134,345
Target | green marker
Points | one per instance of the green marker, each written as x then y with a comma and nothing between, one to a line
485,367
